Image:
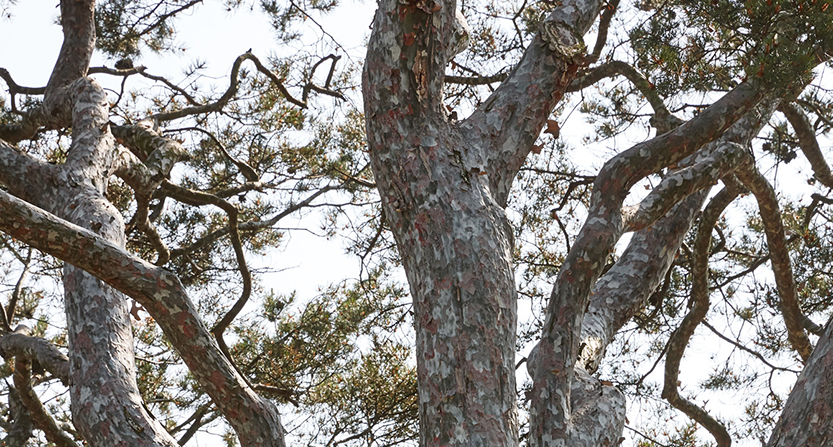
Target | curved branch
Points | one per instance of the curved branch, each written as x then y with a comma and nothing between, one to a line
779,255
142,70
663,120
255,420
707,169
232,90
245,170
78,25
15,89
608,10
700,307
152,158
20,343
626,287
199,198
250,225
557,352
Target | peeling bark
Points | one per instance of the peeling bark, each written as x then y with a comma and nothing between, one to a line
805,420
626,287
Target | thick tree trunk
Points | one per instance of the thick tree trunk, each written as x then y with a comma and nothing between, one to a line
806,418
106,405
453,236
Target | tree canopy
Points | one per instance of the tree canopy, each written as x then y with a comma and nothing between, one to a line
497,153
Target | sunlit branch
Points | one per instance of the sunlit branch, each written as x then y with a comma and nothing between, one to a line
626,287
20,343
558,349
707,169
152,158
162,295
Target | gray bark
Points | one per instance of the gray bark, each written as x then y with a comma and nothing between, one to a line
106,406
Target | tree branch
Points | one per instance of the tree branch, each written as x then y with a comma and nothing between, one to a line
515,113
779,255
21,421
23,382
552,367
811,396
662,120
78,25
20,343
626,287
700,307
807,142
199,198
608,10
255,420
250,225
232,90
708,167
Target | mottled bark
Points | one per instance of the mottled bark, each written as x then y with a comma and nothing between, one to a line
35,348
552,366
806,418
626,287
779,257
106,405
452,233
41,418
443,187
